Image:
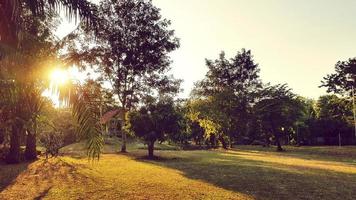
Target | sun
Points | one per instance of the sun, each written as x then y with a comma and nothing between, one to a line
59,76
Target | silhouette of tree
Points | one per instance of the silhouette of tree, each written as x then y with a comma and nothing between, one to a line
343,80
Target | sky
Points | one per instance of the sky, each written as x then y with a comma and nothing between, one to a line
294,42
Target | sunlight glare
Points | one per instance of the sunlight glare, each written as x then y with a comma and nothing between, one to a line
59,77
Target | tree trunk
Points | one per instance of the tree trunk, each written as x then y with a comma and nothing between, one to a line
2,136
267,140
223,142
230,141
123,134
150,149
278,142
14,153
123,138
30,151
277,136
212,141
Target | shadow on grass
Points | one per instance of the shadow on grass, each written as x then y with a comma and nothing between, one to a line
43,194
325,153
9,172
260,179
35,180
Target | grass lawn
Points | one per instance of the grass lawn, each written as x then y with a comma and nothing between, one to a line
246,172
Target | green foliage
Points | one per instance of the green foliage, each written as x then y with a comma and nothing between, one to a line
155,121
131,51
334,116
278,110
12,29
343,80
132,42
87,103
228,90
22,82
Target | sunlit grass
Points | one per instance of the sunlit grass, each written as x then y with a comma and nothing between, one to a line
243,173
294,162
114,177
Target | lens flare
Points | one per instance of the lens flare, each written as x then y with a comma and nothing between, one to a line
59,77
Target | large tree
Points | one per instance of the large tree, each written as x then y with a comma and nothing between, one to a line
278,110
343,82
231,84
22,82
131,51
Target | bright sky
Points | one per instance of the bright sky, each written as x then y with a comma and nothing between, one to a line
294,42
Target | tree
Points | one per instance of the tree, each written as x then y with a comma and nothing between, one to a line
207,121
278,110
131,51
231,84
155,121
21,84
343,80
9,111
306,125
184,135
23,67
34,105
334,118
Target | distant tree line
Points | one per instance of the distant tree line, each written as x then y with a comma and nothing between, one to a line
232,106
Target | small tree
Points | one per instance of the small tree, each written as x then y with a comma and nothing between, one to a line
155,122
52,141
205,115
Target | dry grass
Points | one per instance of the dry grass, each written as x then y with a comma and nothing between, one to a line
243,173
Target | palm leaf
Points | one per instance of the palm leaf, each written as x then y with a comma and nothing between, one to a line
86,112
11,11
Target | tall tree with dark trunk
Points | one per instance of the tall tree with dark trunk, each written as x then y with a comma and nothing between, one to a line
131,51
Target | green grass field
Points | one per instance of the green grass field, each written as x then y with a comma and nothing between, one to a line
245,172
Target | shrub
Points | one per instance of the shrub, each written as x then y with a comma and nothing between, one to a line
52,142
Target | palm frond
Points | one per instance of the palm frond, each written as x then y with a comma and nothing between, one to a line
86,112
11,11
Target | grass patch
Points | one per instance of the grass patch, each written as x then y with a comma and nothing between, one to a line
112,146
246,172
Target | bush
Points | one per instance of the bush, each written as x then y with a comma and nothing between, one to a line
52,142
